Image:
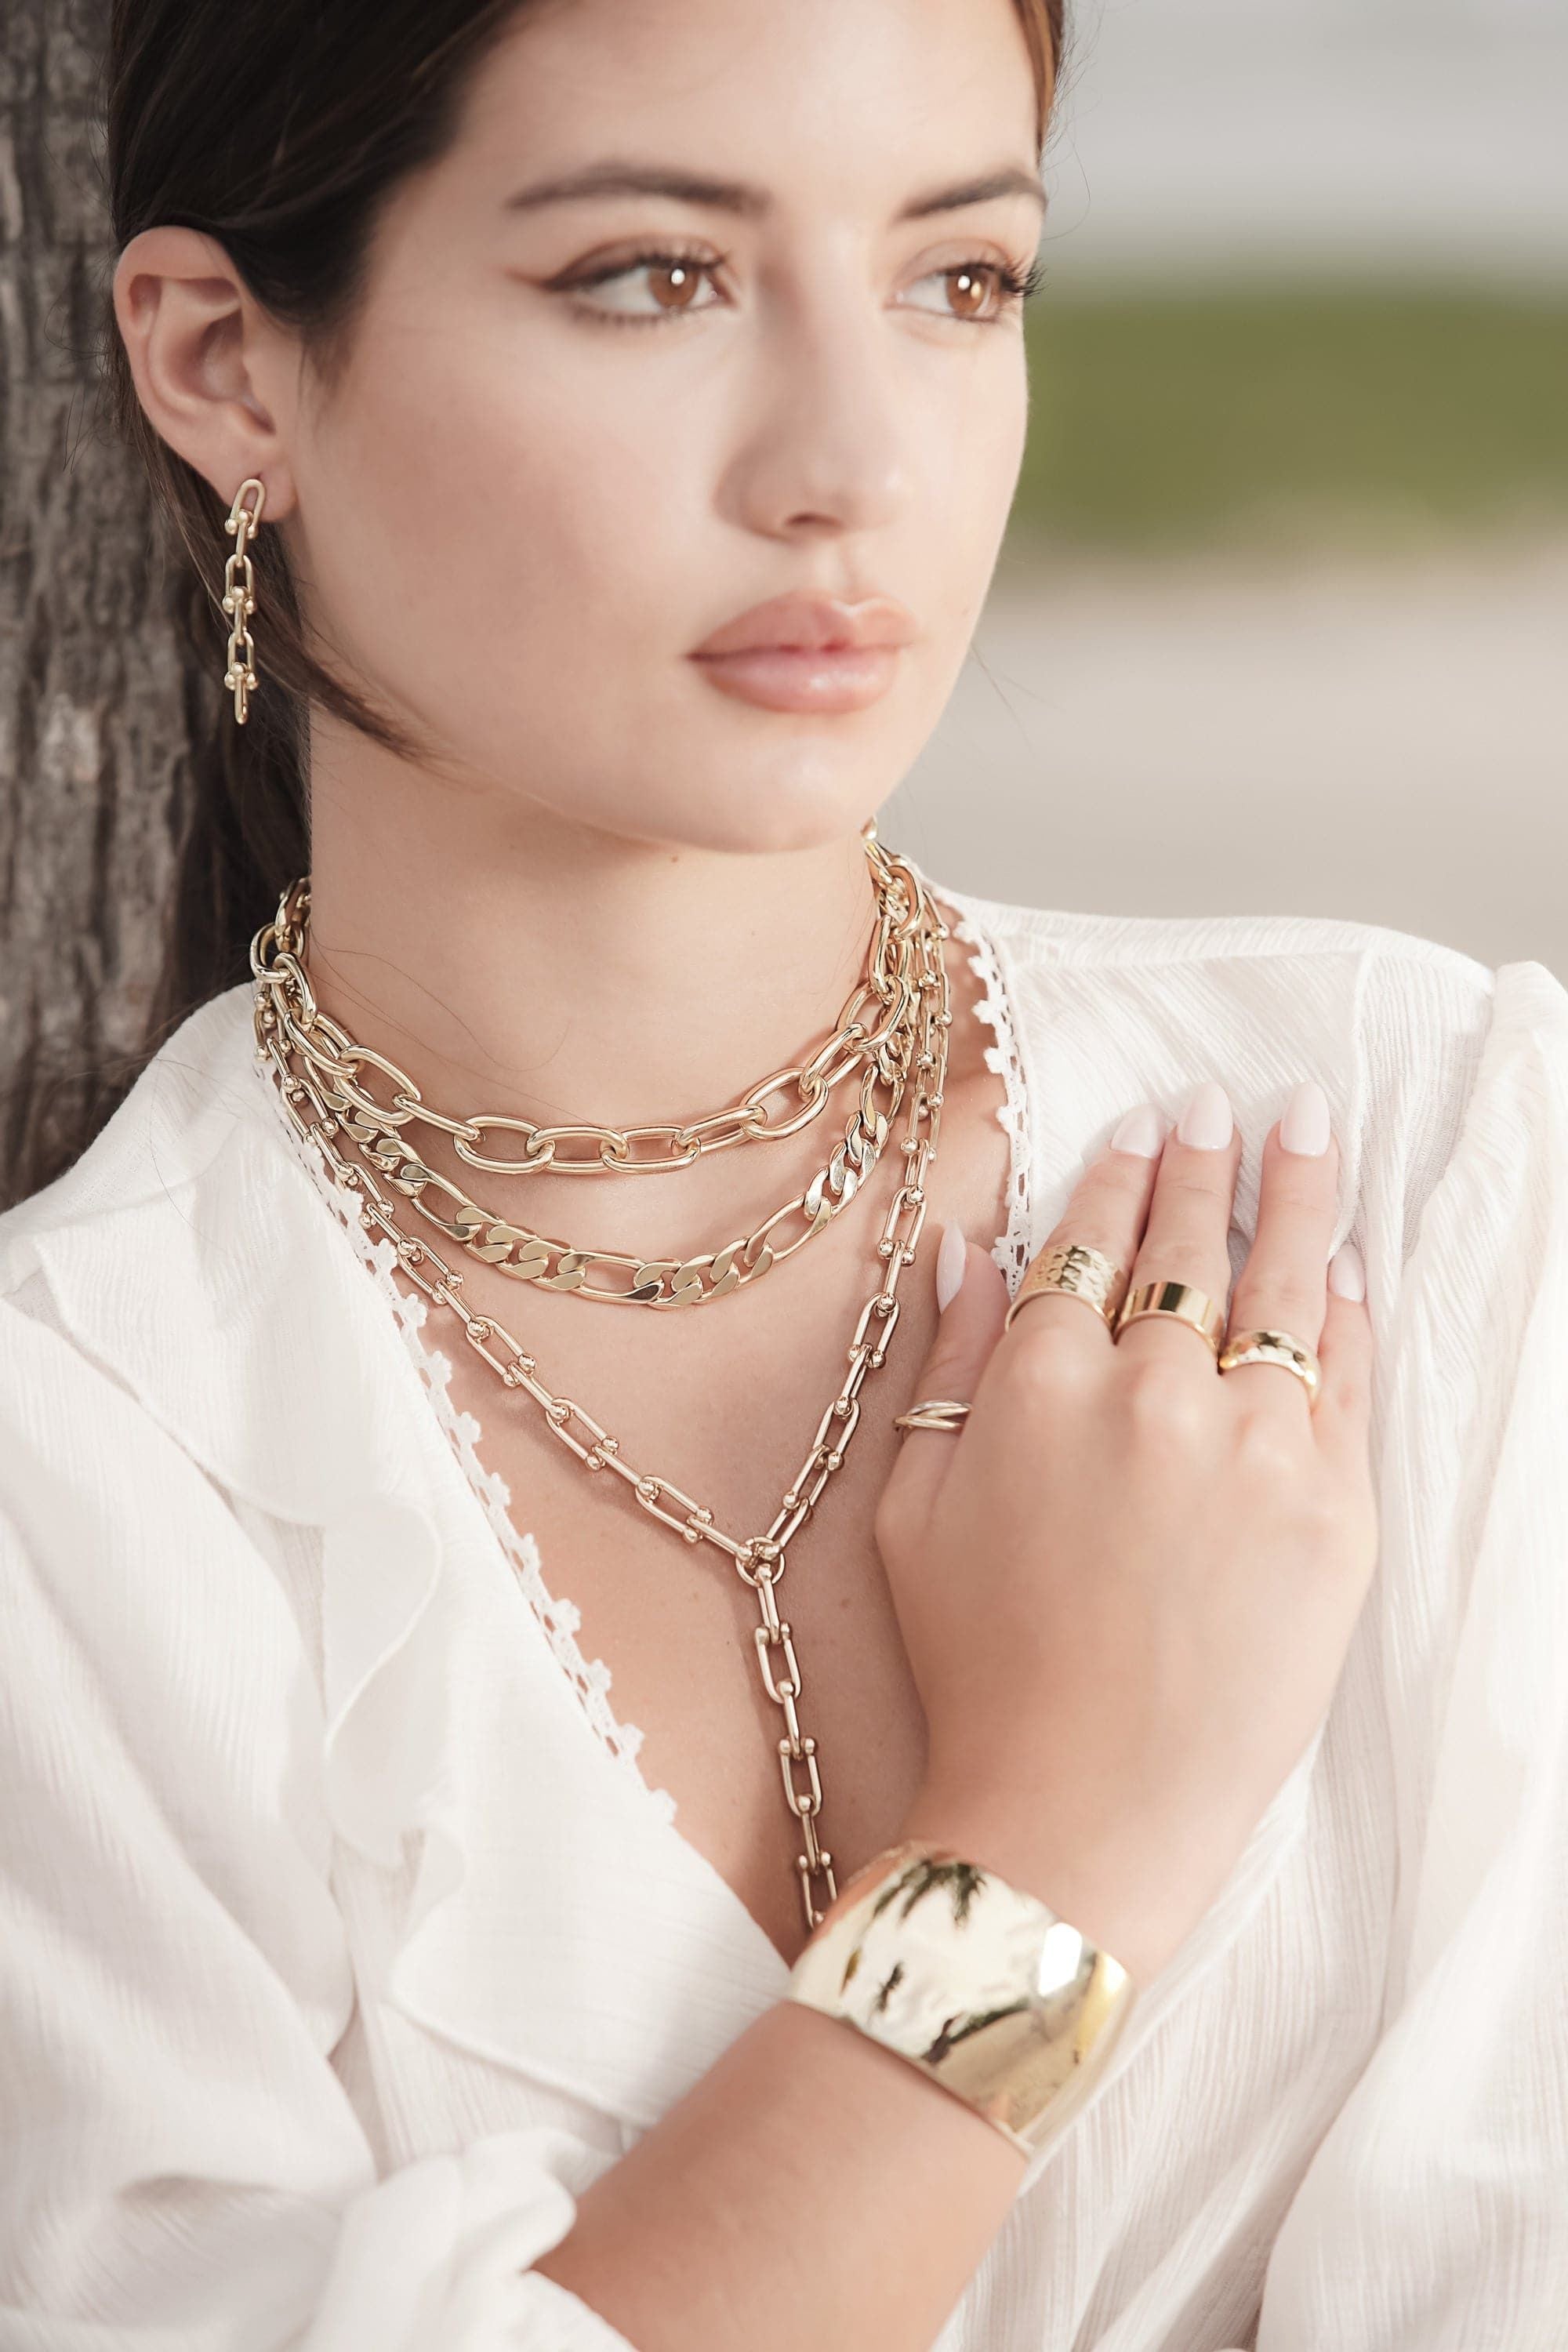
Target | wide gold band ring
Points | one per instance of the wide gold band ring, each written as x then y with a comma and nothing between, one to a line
1181,1300
934,1413
1275,1347
1077,1272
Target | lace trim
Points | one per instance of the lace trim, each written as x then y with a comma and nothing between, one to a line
1011,1248
560,1618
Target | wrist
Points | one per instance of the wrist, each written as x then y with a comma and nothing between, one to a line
1017,1845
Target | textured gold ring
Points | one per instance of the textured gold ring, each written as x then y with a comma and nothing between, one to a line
1181,1300
1275,1347
1075,1270
934,1413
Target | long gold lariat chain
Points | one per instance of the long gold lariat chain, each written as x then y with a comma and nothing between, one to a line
759,1561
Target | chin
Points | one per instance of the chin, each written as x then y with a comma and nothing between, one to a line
772,815
756,832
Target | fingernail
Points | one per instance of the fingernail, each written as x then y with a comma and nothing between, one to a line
951,1260
1207,1120
1143,1131
1305,1126
1347,1271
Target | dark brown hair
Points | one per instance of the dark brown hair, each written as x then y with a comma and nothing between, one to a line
342,99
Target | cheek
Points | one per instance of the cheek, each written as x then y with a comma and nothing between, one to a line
985,432
517,520
971,465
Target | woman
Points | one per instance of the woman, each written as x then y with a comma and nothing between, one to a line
388,1967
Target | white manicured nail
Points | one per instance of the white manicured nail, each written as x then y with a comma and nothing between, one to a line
1207,1120
1305,1126
951,1260
1143,1131
1347,1271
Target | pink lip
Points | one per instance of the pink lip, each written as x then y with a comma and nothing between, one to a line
808,652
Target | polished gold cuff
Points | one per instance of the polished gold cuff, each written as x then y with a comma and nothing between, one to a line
983,1988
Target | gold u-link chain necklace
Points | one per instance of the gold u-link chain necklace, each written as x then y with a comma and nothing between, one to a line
758,1561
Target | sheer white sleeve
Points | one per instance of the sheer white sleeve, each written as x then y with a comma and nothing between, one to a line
1434,2217
183,2166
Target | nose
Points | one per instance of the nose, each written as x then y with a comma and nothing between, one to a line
822,446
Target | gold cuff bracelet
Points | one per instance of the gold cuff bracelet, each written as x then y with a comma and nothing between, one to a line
983,1988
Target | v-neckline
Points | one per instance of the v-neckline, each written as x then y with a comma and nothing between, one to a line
555,1616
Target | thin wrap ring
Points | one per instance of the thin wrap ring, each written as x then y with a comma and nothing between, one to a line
948,1413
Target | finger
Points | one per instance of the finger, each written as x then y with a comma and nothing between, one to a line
1106,1212
1185,1239
1283,1285
965,1336
1345,1354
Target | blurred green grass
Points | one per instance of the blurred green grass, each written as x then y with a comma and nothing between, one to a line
1292,417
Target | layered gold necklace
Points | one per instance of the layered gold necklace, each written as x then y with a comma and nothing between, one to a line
891,1040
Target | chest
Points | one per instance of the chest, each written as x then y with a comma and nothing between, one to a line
675,1623
726,1405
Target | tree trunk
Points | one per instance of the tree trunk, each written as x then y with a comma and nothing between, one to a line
94,748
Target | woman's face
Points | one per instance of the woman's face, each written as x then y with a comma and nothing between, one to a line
529,497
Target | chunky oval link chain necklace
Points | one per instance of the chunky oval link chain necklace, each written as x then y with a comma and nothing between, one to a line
758,1561
525,1254
886,985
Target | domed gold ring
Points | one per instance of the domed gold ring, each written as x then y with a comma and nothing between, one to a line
1276,1348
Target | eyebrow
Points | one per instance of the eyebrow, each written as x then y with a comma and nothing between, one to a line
616,178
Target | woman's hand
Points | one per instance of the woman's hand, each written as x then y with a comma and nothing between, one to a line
1127,1586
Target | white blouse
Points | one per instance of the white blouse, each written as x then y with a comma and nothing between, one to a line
344,1943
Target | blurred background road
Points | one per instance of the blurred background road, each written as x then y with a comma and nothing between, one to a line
1281,620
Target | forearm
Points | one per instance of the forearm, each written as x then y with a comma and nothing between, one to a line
812,2188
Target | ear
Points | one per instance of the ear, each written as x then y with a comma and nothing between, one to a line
214,372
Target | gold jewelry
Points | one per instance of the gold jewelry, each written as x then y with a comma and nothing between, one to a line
525,1256
934,1413
1075,1270
1276,1348
758,1561
886,993
1179,1299
239,595
885,1048
983,1988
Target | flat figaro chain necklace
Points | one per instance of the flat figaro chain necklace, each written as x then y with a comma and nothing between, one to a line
288,1021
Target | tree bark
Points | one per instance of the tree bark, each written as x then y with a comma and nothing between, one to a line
94,742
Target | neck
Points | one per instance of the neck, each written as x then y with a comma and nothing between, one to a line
523,965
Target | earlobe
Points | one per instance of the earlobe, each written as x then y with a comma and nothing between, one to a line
199,346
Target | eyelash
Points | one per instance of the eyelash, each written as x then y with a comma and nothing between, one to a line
1015,286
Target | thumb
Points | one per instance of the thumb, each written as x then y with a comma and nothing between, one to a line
970,1327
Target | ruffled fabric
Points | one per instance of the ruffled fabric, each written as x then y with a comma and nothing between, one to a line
558,1618
175,1975
454,1742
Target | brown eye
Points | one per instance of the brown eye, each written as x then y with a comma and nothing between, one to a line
971,288
981,293
681,279
672,279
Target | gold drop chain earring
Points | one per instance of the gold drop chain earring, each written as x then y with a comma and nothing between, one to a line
239,594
